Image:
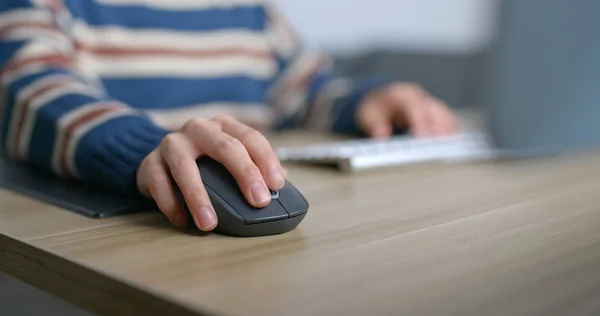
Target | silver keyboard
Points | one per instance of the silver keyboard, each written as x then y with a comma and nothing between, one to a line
355,155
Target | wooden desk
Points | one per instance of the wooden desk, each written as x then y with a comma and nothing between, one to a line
520,238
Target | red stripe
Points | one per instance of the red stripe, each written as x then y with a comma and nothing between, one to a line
69,130
50,60
14,26
24,112
54,5
128,52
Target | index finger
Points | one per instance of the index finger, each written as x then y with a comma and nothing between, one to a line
232,154
259,149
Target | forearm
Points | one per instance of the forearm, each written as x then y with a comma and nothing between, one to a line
309,95
65,127
306,93
54,117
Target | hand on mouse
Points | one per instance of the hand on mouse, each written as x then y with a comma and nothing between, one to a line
245,153
405,105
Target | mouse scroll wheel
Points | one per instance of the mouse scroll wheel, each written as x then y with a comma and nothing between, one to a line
274,194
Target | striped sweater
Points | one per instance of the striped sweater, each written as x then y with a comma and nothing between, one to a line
89,87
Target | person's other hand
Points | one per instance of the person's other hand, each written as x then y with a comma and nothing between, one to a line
405,106
245,153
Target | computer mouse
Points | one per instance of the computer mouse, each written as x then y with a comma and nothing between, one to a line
236,217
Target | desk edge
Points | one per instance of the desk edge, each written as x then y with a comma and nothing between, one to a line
82,286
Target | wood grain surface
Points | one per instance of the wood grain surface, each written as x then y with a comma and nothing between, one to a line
511,238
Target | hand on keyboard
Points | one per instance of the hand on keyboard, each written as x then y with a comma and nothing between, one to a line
405,106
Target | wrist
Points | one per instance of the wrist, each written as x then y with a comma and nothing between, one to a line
346,110
111,154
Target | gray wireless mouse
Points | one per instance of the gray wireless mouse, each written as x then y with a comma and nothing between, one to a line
240,219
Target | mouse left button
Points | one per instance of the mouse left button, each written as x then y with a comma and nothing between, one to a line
272,212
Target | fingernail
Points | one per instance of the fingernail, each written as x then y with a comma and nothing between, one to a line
180,219
276,176
259,193
207,218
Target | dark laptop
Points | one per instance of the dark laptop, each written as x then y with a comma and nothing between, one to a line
543,88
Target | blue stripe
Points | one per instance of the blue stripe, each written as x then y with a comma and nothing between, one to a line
133,16
43,136
24,81
153,93
7,51
5,122
6,5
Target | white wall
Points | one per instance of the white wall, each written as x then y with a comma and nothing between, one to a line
347,26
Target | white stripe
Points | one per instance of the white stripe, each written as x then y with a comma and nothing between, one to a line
83,129
36,49
173,119
24,71
279,34
42,83
281,44
119,37
40,49
160,65
43,35
8,78
36,67
66,120
41,101
183,4
320,114
25,94
24,16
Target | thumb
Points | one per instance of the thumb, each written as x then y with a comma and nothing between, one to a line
375,120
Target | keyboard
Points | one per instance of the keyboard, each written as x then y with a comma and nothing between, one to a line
360,154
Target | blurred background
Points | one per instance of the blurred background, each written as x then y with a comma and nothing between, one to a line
438,43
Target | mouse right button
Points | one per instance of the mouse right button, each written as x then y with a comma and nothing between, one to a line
292,200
